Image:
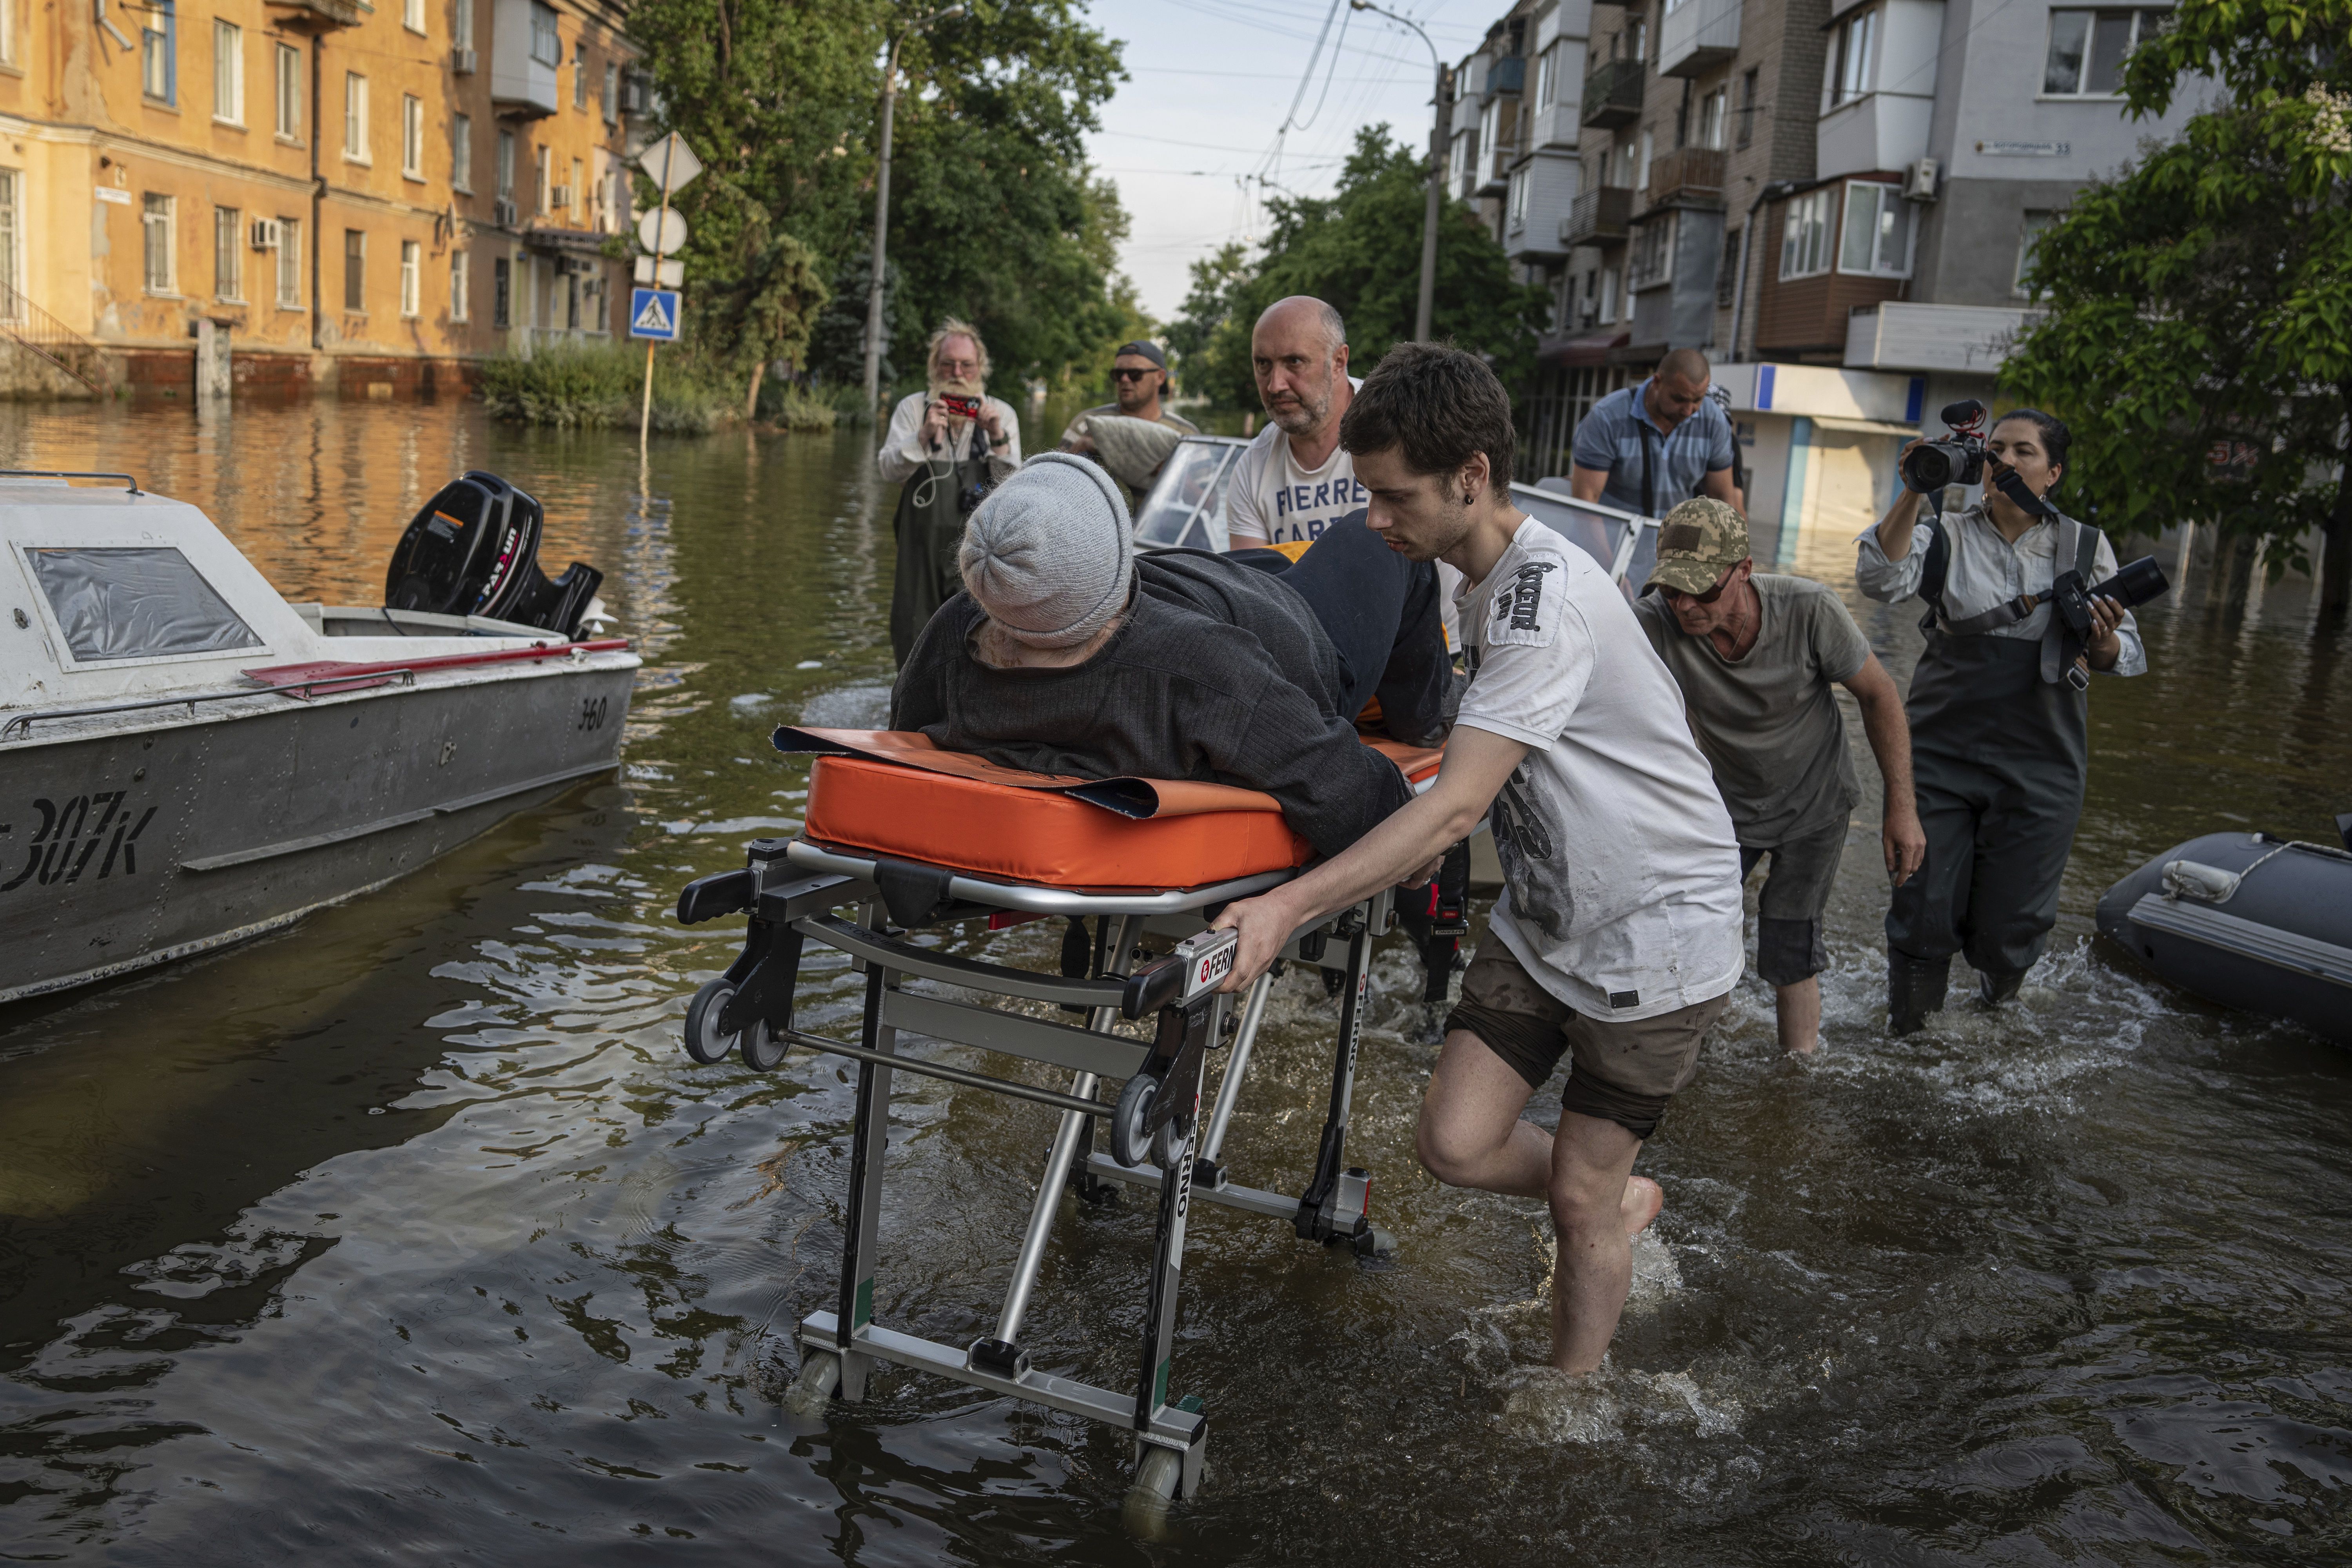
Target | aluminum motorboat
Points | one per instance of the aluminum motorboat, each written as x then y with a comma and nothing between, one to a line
187,760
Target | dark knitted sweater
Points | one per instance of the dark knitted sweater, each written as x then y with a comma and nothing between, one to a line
1219,673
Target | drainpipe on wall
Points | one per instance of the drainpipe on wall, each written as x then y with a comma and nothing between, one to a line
112,31
317,197
1772,189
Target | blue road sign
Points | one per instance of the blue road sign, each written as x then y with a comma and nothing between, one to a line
653,313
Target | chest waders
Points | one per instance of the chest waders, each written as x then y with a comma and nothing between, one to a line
1998,755
927,526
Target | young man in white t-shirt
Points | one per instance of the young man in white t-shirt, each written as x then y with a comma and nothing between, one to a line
1617,939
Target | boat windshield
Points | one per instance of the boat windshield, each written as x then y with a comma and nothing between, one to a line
1184,502
145,603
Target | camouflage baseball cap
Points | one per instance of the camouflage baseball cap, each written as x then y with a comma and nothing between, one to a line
1696,542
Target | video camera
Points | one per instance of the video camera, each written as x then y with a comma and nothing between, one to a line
1958,461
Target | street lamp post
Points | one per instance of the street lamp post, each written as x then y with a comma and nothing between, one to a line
1437,141
882,205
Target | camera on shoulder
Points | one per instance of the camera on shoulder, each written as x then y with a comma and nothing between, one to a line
1958,461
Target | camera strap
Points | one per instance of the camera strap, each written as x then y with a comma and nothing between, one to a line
2060,646
1650,445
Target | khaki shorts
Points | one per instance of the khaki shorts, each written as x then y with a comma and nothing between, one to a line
1620,1072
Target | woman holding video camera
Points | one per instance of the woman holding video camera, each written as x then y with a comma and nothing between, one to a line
938,448
1997,708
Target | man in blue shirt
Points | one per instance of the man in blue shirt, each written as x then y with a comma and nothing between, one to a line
1650,447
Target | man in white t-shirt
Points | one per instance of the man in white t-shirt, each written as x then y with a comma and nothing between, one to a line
1617,938
1295,480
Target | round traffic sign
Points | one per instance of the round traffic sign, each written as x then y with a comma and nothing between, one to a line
662,231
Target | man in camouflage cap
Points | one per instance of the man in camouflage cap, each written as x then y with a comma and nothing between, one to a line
1755,656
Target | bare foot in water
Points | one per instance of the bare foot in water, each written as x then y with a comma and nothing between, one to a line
1643,1198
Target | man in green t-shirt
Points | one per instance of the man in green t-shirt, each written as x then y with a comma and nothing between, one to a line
1755,656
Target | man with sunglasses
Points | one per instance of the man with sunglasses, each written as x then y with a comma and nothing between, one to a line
1755,656
1139,377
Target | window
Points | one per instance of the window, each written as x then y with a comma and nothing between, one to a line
1609,296
1805,234
574,190
7,32
462,23
12,238
1727,271
159,45
501,293
506,166
2087,51
412,263
412,15
1518,200
354,269
412,136
228,73
1650,260
155,218
289,91
142,602
545,176
1746,109
1642,172
1625,163
356,118
1877,239
289,264
228,252
2029,239
460,305
1490,136
1547,78
1711,115
545,47
579,78
461,152
1850,63
612,94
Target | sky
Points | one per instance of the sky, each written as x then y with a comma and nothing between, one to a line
1211,83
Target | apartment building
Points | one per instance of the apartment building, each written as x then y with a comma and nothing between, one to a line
1839,195
349,195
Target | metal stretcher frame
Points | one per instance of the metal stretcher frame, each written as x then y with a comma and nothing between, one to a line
791,888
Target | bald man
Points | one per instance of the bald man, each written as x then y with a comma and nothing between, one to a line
1295,480
1648,448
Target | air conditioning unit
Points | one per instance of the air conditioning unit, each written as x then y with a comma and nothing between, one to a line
1919,182
268,234
559,199
503,213
463,61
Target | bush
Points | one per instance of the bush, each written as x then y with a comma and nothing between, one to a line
801,408
598,386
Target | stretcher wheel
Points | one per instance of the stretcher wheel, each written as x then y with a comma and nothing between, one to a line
1156,1478
704,1043
760,1048
814,1389
1167,1144
1128,1145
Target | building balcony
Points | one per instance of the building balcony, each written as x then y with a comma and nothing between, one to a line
1600,217
1506,76
1696,35
1903,335
1613,94
1687,177
315,16
524,53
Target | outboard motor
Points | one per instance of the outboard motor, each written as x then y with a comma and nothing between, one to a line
474,551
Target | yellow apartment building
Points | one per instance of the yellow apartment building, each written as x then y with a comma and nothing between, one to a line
362,198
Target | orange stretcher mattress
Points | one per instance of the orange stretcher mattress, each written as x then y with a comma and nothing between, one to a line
885,792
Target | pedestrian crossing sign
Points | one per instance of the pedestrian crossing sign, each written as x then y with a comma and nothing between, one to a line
653,313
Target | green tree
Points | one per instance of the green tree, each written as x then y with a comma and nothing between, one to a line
1358,249
2198,338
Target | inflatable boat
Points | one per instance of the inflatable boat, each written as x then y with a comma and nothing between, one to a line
2251,922
186,760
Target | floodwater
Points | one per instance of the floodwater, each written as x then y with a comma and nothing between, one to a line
410,1236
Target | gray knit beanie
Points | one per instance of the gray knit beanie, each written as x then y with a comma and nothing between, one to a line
1049,554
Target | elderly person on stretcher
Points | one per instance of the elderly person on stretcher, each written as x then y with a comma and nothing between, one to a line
1067,653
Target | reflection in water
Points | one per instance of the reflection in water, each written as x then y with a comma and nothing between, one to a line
410,1231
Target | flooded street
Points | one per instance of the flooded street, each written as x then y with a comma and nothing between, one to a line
409,1235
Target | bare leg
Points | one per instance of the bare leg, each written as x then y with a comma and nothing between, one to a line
1471,1133
1591,1162
1799,1008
